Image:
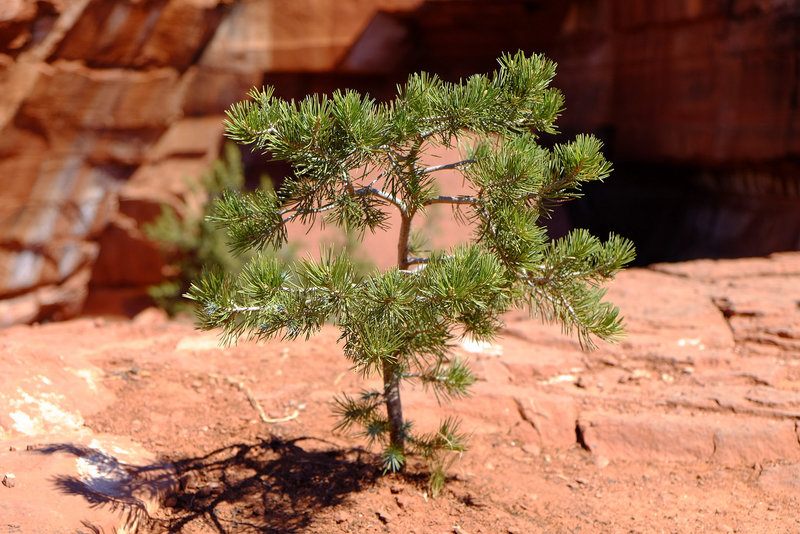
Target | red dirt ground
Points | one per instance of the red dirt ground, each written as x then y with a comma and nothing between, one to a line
690,425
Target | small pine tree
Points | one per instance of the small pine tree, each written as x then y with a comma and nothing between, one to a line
354,160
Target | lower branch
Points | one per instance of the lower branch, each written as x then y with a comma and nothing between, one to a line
448,166
450,200
416,261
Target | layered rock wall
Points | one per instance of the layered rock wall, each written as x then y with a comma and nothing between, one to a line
685,81
108,106
696,101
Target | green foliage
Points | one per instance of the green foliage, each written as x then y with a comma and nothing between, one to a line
190,241
355,161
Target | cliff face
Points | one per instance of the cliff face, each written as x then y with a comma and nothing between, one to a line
108,105
696,101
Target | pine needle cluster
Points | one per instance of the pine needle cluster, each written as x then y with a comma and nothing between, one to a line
355,161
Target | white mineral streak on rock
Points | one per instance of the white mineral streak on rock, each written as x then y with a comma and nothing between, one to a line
88,375
102,472
23,423
560,379
90,198
481,347
110,469
41,413
25,270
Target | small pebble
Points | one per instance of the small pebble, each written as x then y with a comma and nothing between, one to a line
189,480
532,449
384,516
10,480
402,501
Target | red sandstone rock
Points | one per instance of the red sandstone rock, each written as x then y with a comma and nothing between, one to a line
108,104
105,483
643,436
132,34
86,106
679,420
553,416
781,479
727,440
68,97
751,297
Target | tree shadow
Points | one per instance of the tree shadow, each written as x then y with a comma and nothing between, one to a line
272,486
131,491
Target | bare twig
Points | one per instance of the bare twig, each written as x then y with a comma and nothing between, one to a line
416,261
369,190
448,166
256,405
444,199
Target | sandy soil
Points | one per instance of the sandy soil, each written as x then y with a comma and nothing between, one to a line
691,425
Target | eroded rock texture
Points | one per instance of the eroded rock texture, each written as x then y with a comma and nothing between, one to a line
107,108
109,105
696,410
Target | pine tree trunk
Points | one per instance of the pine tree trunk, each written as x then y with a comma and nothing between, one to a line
391,380
394,408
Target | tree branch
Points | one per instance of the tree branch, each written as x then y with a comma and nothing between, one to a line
348,183
369,190
448,166
271,130
299,213
444,199
561,300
